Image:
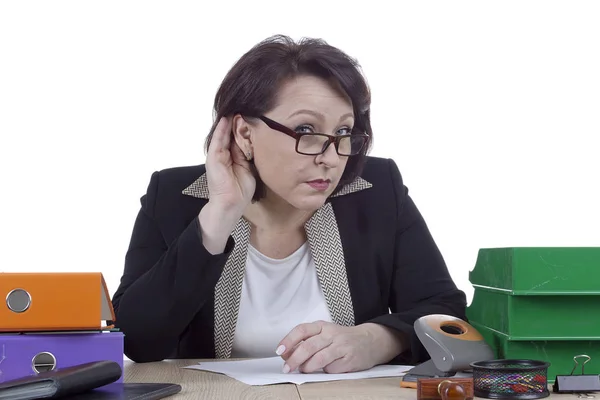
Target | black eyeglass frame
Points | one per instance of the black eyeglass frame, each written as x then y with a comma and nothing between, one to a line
330,138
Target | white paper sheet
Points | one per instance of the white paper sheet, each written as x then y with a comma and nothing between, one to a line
268,371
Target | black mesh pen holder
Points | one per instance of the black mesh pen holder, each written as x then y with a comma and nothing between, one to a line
510,379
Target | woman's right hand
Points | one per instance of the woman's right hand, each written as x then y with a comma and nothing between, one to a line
231,187
230,182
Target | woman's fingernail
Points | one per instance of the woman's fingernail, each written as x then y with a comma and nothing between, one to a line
280,350
286,368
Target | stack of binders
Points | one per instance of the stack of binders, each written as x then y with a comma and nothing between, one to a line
50,321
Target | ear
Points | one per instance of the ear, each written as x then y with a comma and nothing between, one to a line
242,133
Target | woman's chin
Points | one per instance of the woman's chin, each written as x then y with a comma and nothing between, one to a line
309,202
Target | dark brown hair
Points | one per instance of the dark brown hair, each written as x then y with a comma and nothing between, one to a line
250,87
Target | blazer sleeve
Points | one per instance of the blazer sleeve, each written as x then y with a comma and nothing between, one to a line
421,284
163,285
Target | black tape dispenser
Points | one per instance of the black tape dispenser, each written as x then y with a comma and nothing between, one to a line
452,344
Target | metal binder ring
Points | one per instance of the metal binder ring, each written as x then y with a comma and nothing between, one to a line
18,300
42,362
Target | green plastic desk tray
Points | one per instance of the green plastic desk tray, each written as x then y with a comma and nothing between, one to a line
539,270
547,317
559,353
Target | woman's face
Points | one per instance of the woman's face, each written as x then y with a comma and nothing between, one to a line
305,104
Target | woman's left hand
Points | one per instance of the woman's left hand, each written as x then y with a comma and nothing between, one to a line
334,348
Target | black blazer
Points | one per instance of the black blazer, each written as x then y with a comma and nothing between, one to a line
375,257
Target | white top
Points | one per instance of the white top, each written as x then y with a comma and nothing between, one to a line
277,295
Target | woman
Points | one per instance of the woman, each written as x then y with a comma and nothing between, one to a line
290,240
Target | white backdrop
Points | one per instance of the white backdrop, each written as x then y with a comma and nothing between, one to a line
491,110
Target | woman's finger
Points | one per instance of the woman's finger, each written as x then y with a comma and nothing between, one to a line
339,366
221,136
296,335
237,154
324,359
309,348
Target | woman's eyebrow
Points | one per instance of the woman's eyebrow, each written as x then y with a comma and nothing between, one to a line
318,115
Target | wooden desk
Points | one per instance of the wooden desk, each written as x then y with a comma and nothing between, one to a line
199,385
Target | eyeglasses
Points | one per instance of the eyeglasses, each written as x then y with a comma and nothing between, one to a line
312,144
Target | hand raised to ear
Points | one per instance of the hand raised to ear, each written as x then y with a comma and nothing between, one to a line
231,187
230,182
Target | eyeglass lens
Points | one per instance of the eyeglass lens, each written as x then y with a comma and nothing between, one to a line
315,144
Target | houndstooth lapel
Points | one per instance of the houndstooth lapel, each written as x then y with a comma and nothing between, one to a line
327,252
228,291
328,255
198,188
356,185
